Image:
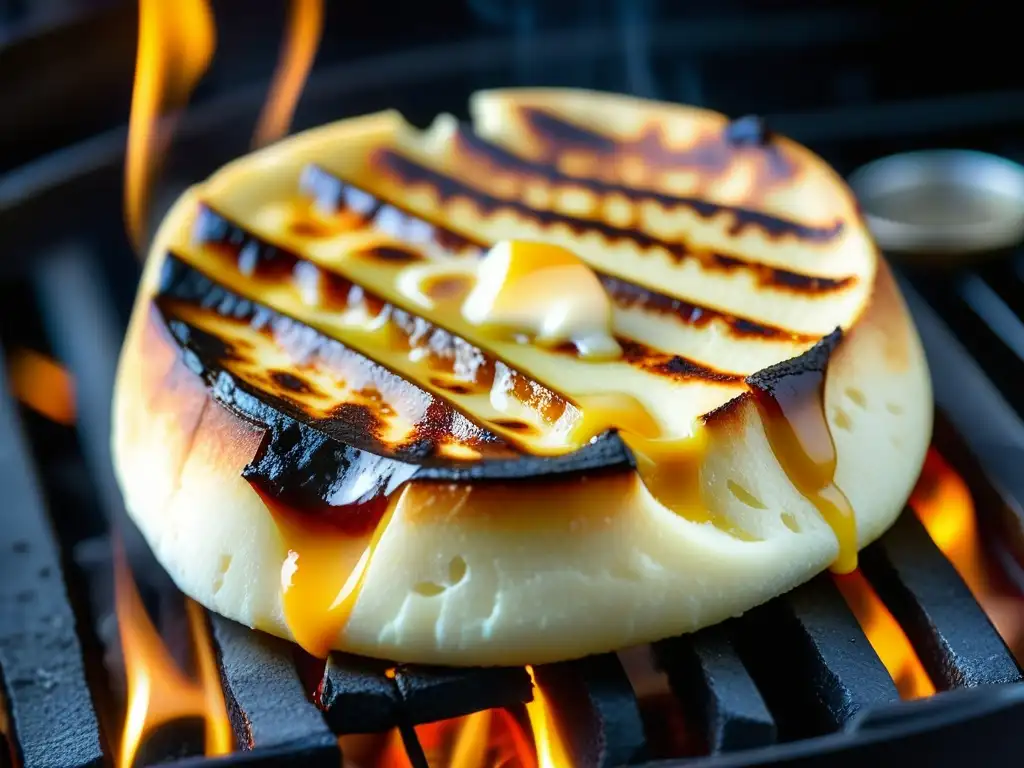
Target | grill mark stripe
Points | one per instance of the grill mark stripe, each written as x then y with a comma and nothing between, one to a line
639,355
775,226
203,342
411,172
330,192
711,154
436,392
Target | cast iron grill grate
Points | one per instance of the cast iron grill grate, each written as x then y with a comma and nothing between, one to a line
796,668
795,682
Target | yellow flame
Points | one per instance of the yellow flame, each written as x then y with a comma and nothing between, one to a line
886,636
43,385
302,38
551,751
176,42
492,738
943,504
158,691
471,741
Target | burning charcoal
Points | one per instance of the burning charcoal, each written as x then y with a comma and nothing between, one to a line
268,707
811,660
596,710
438,693
41,665
356,695
955,641
708,676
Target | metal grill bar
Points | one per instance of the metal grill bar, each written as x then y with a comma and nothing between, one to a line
988,426
812,662
436,693
596,710
268,707
40,656
953,637
356,696
718,693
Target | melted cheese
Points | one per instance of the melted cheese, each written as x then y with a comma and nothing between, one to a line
545,292
648,378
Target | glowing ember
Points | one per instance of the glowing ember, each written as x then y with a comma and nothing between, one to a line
886,636
176,41
305,25
158,691
43,385
944,506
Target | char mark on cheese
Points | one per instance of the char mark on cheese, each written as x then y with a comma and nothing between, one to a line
783,279
261,260
328,387
712,155
410,172
332,195
322,456
676,367
485,153
626,294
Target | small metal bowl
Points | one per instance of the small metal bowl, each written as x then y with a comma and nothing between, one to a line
942,202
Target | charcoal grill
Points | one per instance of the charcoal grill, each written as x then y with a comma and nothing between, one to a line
792,683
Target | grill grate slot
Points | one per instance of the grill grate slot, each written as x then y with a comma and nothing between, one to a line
595,709
40,653
708,676
987,428
267,705
356,696
812,662
953,637
983,306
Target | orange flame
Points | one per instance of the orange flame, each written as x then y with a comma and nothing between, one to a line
6,743
551,751
943,504
492,738
302,38
158,691
43,385
886,636
176,42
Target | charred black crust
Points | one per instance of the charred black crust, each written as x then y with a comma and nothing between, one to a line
305,469
814,360
770,380
305,461
605,451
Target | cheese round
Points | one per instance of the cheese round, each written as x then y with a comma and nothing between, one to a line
724,250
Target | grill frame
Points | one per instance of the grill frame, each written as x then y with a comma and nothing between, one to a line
902,731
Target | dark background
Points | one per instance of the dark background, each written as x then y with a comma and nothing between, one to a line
66,65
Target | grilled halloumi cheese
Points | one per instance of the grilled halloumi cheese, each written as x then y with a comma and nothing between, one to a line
587,372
